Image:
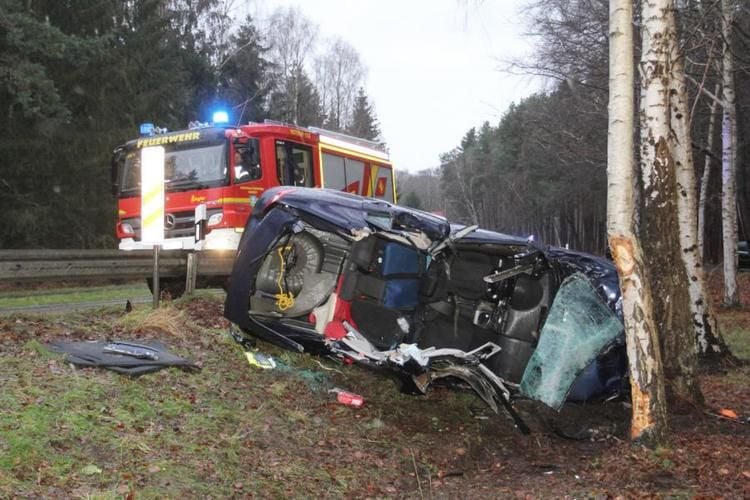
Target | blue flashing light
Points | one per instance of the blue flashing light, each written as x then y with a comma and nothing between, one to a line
147,129
220,117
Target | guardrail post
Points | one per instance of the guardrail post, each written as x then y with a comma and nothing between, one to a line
156,287
192,272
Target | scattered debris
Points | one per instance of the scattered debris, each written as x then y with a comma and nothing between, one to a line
90,470
348,398
328,369
728,414
133,350
124,357
260,360
245,342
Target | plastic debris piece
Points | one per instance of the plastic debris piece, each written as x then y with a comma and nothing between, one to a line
135,351
348,398
90,470
260,360
728,413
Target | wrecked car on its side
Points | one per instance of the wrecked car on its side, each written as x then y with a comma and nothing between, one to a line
361,279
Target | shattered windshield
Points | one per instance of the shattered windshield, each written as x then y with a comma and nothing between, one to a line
185,167
578,327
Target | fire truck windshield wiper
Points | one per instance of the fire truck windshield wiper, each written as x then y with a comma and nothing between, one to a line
182,183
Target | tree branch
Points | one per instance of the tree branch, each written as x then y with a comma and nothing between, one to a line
703,89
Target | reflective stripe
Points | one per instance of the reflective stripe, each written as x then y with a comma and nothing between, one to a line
151,219
355,154
232,200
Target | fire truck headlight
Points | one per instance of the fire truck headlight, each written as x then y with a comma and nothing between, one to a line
215,219
126,228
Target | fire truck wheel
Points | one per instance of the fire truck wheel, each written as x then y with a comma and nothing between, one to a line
175,287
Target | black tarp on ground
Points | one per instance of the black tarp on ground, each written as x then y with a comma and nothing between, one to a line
129,358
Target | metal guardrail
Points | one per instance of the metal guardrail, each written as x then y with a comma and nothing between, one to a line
60,265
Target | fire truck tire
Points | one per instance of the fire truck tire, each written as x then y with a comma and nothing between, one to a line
175,287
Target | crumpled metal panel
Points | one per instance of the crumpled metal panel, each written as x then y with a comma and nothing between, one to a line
579,326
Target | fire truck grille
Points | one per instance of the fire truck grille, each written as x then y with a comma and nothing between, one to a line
179,224
176,225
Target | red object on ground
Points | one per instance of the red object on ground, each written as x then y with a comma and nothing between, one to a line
349,398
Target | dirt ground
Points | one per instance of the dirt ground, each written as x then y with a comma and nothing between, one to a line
236,431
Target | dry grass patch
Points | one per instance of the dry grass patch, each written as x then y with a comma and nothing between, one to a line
165,320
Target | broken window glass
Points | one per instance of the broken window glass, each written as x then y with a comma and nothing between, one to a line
579,326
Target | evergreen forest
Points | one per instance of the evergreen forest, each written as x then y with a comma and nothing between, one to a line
78,76
542,169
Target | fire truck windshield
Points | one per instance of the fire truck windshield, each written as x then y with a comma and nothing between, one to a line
193,166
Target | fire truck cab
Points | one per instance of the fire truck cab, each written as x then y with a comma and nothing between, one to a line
226,168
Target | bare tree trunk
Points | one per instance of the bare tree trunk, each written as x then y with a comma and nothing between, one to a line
649,420
582,225
660,231
706,177
556,225
729,162
706,337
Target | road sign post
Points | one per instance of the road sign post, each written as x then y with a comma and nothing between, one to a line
152,206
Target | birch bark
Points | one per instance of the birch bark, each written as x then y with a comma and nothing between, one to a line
660,230
706,338
729,161
646,373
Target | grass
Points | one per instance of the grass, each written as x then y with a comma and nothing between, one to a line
116,294
735,328
164,320
738,339
236,431
15,299
228,431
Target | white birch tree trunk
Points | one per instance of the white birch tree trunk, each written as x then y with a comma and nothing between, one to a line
659,224
706,338
646,371
729,161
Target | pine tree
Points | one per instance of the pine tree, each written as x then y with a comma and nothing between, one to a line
364,123
243,75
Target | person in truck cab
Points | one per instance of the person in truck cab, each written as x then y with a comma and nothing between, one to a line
245,169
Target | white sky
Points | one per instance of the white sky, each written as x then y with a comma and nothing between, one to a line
432,65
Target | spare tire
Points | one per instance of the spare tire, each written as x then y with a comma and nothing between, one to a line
300,255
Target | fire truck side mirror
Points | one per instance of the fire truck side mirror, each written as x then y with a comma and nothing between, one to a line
117,160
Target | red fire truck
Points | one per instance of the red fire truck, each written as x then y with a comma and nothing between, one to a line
226,168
